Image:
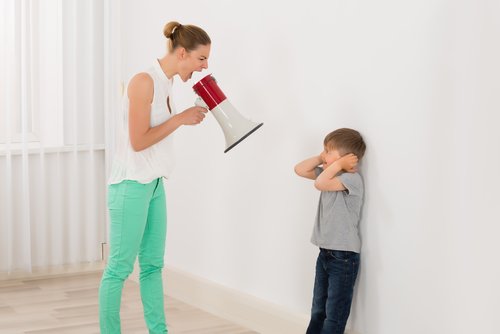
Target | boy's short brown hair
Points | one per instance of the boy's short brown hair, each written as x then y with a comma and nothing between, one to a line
346,141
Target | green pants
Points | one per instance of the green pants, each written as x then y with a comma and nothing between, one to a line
138,228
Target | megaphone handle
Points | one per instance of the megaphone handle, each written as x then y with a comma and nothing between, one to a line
200,103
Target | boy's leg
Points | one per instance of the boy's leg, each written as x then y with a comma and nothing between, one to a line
342,270
151,255
318,311
128,204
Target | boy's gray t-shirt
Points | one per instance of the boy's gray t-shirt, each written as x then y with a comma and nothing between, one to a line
337,218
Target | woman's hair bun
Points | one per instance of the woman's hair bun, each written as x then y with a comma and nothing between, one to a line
170,28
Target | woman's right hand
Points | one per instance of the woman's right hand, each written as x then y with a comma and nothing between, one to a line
192,116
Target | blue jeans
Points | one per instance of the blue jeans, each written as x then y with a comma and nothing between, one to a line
336,272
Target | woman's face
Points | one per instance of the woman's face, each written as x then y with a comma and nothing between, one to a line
191,61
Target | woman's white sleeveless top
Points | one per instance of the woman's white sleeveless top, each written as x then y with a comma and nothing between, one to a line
157,160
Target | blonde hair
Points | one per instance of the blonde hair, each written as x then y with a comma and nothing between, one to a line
346,141
187,36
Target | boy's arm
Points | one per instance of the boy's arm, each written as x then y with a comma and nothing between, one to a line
306,167
328,180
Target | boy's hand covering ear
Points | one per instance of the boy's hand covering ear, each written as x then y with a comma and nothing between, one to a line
349,163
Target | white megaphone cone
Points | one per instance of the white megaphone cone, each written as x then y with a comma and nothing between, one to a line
233,124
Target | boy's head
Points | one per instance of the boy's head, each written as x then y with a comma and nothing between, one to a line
345,141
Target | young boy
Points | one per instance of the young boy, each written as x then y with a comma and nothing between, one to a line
336,228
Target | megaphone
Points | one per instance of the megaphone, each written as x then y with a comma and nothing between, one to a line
235,127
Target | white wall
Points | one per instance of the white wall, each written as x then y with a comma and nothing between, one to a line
419,79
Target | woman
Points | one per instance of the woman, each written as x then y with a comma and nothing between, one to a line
136,199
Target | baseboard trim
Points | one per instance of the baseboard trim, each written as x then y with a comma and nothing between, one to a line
245,310
54,271
240,308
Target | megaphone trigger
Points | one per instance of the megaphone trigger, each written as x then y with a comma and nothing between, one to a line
199,102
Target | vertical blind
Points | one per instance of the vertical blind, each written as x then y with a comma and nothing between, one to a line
52,121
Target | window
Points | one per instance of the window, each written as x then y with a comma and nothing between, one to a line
51,78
